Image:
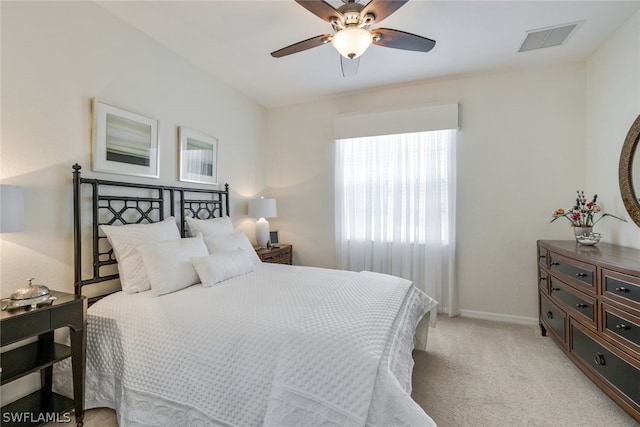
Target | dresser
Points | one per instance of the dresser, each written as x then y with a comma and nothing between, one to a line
589,304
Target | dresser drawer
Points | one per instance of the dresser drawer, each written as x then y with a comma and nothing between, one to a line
621,327
608,366
19,327
621,288
543,281
574,272
543,256
281,256
579,305
554,320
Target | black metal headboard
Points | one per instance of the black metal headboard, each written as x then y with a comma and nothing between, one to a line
114,203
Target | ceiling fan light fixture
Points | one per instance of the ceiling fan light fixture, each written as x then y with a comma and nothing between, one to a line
352,41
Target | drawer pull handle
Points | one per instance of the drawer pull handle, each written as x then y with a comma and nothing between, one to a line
542,256
581,274
549,315
555,289
622,326
581,305
543,278
622,289
555,263
599,359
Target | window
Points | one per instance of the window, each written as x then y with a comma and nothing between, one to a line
395,210
390,185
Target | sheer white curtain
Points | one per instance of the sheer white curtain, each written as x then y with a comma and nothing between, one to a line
395,209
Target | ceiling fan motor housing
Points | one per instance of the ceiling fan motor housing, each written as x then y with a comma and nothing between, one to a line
352,36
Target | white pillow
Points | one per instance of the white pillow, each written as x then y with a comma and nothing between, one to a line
210,227
230,243
215,268
168,264
125,238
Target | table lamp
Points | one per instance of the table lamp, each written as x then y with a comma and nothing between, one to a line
262,208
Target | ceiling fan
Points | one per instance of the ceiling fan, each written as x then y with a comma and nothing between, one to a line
352,35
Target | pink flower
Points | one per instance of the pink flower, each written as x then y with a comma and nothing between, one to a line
582,214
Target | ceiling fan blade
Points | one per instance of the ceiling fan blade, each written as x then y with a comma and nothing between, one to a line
400,40
382,8
303,45
321,9
349,66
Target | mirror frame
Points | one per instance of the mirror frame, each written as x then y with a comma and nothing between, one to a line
629,197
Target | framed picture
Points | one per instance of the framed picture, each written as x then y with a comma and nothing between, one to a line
273,237
198,156
124,142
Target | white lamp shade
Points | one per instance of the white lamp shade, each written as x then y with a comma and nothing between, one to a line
11,209
352,41
263,208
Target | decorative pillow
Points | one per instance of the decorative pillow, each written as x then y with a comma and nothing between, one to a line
210,227
216,268
125,238
230,243
168,264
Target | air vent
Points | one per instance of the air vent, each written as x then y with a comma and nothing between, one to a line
547,37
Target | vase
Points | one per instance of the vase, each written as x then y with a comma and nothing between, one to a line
579,231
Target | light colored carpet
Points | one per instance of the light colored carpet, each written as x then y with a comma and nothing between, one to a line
482,373
478,373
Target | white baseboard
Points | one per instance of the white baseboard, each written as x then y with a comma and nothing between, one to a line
521,320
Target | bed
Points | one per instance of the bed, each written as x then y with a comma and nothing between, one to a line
220,339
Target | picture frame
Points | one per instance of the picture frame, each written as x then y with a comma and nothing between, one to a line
124,142
198,156
273,237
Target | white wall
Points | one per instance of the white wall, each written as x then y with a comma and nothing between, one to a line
613,103
520,155
57,56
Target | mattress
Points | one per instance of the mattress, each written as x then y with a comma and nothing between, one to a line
280,346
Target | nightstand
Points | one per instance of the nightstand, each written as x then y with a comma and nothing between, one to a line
280,254
39,407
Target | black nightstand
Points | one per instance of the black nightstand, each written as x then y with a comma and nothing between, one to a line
67,310
281,254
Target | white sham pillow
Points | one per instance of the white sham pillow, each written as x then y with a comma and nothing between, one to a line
124,240
230,243
210,227
218,267
168,264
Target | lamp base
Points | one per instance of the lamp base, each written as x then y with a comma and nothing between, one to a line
262,232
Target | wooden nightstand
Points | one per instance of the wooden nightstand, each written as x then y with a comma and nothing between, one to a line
39,407
281,254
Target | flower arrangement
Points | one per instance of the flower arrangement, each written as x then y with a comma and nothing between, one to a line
583,212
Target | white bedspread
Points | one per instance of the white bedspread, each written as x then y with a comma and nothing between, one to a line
282,346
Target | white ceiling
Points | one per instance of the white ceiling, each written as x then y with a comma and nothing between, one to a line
232,40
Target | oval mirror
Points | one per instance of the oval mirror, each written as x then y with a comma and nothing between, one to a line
629,178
